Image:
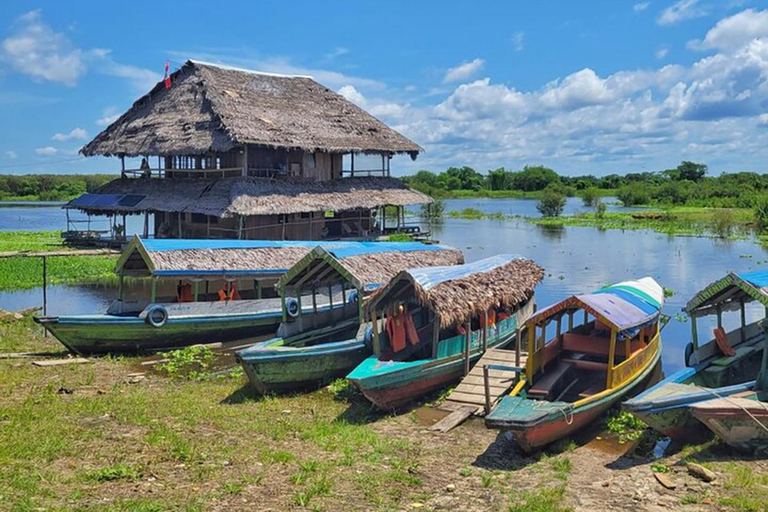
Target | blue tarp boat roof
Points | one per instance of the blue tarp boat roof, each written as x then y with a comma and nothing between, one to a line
178,258
429,277
626,306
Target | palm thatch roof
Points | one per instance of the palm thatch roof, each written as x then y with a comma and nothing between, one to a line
228,197
370,262
211,108
458,293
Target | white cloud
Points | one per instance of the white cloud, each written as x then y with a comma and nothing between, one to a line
464,71
74,134
383,109
34,49
734,31
641,6
46,151
11,155
518,41
577,90
108,116
335,53
680,11
661,53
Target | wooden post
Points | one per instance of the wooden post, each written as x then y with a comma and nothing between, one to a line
179,223
487,386
517,345
330,297
239,227
719,317
146,224
467,341
208,226
694,333
245,161
343,295
122,162
353,164
611,355
531,364
559,325
282,304
570,320
45,292
743,312
586,317
483,332
314,300
375,325
298,299
435,337
257,285
627,346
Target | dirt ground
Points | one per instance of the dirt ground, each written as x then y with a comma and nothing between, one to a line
97,436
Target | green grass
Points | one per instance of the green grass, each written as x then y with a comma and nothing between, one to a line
547,499
18,273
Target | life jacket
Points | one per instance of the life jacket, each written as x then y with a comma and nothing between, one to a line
222,294
185,293
490,318
233,293
410,329
396,331
503,315
722,342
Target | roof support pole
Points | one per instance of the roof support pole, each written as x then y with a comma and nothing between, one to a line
611,357
122,163
570,320
517,346
467,341
719,317
383,165
532,355
353,164
375,325
245,161
239,227
694,333
483,332
435,336
178,216
146,224
743,312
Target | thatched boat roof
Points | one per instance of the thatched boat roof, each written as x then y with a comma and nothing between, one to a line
370,262
317,270
460,292
211,108
228,197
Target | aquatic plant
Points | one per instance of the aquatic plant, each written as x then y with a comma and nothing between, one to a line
551,203
189,362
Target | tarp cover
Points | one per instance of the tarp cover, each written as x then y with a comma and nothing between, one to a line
626,306
428,277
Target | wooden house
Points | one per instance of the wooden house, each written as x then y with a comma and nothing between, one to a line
232,153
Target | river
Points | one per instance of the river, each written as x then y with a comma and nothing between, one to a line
576,260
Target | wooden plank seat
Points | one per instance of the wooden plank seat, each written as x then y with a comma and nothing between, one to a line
583,364
592,390
547,385
596,346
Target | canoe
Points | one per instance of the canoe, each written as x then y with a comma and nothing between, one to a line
440,355
577,375
307,360
741,422
185,324
392,384
665,406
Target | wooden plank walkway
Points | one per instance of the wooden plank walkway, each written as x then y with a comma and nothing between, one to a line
471,390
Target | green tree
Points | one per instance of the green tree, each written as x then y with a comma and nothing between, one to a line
691,171
534,178
499,179
552,203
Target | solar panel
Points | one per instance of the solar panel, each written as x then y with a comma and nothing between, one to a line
130,200
84,200
107,200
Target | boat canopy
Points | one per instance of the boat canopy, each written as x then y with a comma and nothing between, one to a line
456,293
316,270
729,293
626,307
262,259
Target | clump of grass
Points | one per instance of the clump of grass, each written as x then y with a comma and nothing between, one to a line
659,468
690,499
543,500
626,426
562,465
21,273
467,213
111,473
191,362
486,479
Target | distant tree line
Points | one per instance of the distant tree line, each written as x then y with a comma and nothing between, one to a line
686,184
50,187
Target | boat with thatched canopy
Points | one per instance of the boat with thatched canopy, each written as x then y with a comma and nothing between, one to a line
724,366
576,375
205,291
307,352
439,320
248,155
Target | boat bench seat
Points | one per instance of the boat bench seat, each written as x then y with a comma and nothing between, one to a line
582,364
546,387
596,346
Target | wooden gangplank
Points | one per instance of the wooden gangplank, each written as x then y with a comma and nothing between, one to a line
471,390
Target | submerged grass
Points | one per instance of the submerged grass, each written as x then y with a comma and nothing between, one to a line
17,273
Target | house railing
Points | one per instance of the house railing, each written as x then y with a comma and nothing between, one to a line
228,172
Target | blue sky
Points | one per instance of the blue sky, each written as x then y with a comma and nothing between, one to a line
583,87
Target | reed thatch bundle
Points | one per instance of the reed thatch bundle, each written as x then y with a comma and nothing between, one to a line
212,108
381,267
456,295
228,197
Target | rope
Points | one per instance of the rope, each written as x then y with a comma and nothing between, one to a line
737,404
566,409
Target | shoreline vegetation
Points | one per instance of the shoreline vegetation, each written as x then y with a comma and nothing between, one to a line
22,272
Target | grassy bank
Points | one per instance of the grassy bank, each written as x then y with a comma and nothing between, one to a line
23,272
85,437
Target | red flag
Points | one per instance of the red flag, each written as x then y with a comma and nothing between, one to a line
167,76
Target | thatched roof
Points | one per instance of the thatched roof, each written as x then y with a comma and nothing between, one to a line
457,293
729,292
212,108
370,262
227,197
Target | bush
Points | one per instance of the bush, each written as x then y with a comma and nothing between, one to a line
590,197
434,210
633,195
600,209
760,211
551,203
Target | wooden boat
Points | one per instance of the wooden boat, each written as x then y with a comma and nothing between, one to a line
741,420
666,406
576,375
307,352
455,314
190,277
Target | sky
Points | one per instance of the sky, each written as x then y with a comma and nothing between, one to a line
599,87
